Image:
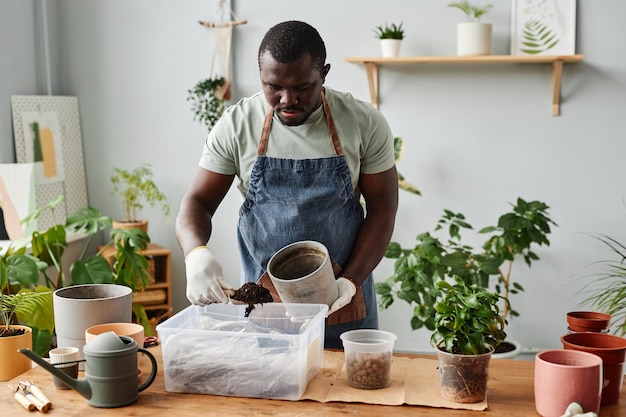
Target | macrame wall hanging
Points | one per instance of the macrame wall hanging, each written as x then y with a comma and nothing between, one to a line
209,95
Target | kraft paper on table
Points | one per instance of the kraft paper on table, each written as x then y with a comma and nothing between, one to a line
414,381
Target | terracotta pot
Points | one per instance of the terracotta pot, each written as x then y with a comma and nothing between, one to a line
13,363
139,224
588,321
566,376
463,378
612,350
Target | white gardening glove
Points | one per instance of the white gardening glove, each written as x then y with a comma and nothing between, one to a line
205,280
346,289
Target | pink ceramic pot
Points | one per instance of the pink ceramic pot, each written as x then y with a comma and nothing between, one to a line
612,350
566,376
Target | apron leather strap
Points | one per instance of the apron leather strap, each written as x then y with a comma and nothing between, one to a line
332,130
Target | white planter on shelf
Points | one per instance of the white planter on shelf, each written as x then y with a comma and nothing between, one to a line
390,47
474,38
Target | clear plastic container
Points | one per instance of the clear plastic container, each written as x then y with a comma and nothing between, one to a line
368,354
273,353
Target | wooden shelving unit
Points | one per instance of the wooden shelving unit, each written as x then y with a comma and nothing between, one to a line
372,65
157,297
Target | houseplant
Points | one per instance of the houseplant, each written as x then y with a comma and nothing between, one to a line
45,263
467,328
403,184
417,270
137,188
207,100
14,336
390,36
606,289
473,37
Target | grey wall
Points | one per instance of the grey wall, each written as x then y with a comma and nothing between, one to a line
477,137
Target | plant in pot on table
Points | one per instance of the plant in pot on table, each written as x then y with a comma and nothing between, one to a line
417,270
390,36
468,327
23,303
137,187
45,263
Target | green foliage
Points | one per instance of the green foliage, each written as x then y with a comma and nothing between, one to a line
391,31
20,273
606,291
24,303
538,37
136,187
417,270
467,319
398,149
206,106
473,13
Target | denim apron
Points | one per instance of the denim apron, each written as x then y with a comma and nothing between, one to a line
291,200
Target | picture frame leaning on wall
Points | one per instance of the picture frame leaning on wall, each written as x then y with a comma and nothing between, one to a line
543,27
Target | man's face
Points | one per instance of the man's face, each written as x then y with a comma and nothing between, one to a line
293,89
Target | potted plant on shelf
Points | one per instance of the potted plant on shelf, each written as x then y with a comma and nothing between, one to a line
390,36
207,100
467,328
473,36
137,187
417,270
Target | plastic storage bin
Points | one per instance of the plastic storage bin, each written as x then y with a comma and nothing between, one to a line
215,349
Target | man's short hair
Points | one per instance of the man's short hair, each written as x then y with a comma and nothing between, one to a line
288,41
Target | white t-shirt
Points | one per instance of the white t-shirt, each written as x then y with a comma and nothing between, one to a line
367,142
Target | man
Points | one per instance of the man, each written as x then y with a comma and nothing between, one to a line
304,154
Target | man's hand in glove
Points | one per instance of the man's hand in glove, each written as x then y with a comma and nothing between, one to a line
205,280
346,289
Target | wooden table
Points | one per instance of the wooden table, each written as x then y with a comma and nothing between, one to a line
510,394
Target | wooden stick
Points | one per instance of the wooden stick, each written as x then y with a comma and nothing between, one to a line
223,24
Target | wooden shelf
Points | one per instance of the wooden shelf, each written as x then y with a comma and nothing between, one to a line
157,296
372,65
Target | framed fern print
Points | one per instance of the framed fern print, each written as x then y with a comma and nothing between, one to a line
543,27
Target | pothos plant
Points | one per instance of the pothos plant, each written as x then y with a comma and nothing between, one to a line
467,319
205,104
418,270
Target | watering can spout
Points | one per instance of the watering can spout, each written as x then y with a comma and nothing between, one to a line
81,386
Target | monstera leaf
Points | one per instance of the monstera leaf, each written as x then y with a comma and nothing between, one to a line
538,37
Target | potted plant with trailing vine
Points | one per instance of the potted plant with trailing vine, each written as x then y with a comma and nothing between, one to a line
418,269
207,100
473,36
137,187
468,327
390,36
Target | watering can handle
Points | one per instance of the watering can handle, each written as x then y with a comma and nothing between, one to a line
153,371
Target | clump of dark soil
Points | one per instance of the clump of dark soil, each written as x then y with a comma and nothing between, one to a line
251,294
4,332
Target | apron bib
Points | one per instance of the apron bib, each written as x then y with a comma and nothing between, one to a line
291,200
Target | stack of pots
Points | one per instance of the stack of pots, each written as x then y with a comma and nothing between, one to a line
588,332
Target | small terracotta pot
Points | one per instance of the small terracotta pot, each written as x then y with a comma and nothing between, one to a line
566,376
612,350
588,321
